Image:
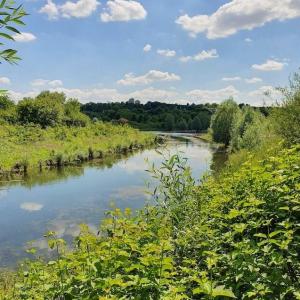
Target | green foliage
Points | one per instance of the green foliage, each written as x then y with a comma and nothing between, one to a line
231,237
249,130
222,121
170,122
182,125
8,112
51,109
201,122
154,115
287,116
62,144
45,111
73,115
10,16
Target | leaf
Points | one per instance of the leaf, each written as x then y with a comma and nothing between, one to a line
12,29
221,291
7,36
274,233
2,3
261,235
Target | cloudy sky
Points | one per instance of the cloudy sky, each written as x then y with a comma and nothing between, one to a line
168,50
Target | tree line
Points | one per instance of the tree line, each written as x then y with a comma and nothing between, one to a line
154,115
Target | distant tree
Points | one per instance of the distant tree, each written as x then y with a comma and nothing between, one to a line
196,124
170,122
73,115
131,101
222,121
182,125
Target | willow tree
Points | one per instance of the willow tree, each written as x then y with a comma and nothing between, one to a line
11,16
222,121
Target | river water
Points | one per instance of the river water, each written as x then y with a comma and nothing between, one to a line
60,200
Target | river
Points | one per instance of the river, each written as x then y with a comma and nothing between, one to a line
60,200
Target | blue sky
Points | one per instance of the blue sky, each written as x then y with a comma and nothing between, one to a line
198,50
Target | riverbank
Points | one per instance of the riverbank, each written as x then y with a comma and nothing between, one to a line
27,147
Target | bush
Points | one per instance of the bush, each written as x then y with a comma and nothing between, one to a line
222,121
44,111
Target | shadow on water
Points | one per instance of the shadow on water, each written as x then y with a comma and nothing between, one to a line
59,174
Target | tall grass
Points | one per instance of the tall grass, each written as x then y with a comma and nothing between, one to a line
31,146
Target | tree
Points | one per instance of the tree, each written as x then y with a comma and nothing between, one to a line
5,102
222,121
7,109
182,125
287,116
73,115
10,15
246,129
169,122
43,110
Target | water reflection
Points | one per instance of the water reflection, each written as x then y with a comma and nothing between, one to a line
60,200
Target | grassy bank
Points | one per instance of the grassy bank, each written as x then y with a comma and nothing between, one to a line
25,147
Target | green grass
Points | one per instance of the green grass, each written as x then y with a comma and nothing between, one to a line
30,145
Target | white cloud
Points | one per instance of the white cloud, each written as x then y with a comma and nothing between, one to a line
24,37
269,65
50,9
151,76
265,95
31,206
46,82
79,9
216,96
4,80
253,80
166,52
106,95
231,78
248,40
147,48
239,15
123,10
203,55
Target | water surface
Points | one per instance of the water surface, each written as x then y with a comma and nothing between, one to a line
60,200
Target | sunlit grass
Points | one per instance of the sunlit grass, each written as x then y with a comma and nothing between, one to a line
32,146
